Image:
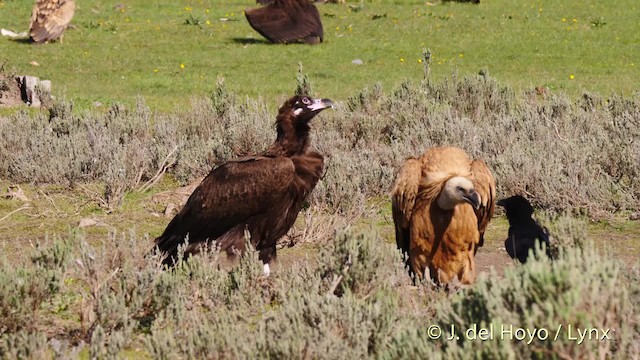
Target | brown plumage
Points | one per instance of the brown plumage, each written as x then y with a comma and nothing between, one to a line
524,231
49,19
262,193
287,21
442,203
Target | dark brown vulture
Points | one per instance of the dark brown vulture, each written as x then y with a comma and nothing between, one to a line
49,19
261,193
524,231
442,203
287,21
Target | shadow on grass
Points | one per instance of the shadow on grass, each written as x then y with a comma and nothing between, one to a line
246,41
24,40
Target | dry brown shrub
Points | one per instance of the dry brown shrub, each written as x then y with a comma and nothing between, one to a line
579,155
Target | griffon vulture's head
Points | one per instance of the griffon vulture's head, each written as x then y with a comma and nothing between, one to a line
458,190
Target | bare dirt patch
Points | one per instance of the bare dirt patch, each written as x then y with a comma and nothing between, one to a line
9,91
172,201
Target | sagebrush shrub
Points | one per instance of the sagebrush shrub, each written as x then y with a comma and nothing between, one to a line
537,310
578,291
578,155
23,344
23,289
354,299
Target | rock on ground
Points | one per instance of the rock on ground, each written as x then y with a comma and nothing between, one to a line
18,90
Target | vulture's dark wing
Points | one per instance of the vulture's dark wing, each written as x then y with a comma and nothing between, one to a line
286,21
230,195
49,19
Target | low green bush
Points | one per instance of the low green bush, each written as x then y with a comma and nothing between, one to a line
355,301
566,155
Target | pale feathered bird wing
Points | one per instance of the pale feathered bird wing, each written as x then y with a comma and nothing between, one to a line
50,18
485,186
403,200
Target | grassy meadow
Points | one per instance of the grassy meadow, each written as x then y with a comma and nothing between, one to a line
169,52
86,187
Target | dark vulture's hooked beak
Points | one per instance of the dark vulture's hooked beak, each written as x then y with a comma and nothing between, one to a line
473,198
320,104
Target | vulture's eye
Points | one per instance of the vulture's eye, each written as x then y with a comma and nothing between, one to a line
459,188
306,101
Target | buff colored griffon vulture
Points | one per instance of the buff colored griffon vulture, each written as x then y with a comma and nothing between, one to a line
49,19
442,203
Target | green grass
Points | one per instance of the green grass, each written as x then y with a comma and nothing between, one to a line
54,210
118,54
99,295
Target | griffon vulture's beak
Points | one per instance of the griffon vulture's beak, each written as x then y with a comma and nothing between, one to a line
473,198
